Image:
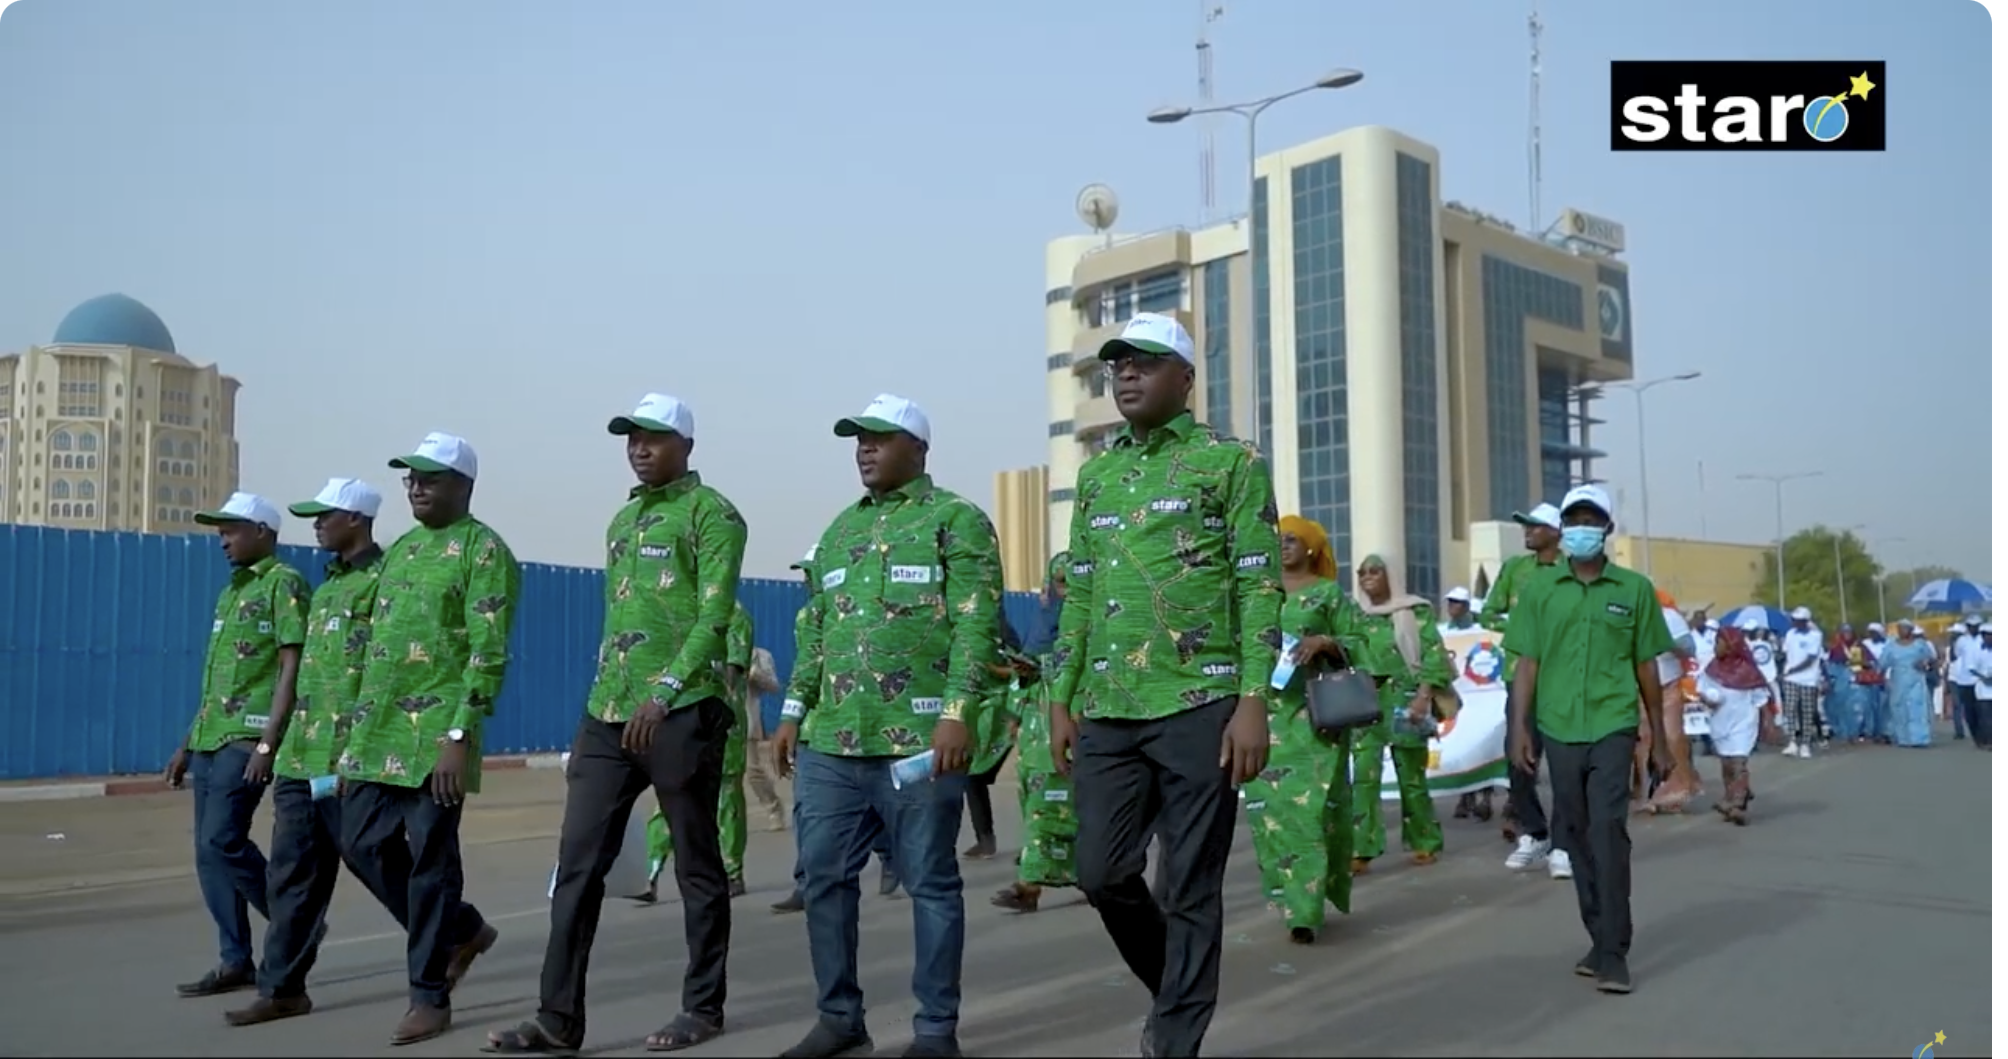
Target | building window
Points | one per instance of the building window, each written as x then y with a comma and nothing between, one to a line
1217,346
1258,244
163,494
1059,294
1098,383
186,498
87,441
1551,408
1421,471
1060,496
1060,428
87,490
59,489
1059,361
1511,294
1318,273
61,441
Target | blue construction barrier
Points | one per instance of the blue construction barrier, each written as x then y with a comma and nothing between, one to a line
102,635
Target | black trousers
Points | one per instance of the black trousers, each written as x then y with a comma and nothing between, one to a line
305,858
1523,788
686,766
982,816
1592,801
406,846
1134,780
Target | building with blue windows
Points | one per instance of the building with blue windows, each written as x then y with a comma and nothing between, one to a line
1411,366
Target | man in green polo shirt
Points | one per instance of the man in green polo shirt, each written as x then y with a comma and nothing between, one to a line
1588,645
1520,579
1160,696
248,677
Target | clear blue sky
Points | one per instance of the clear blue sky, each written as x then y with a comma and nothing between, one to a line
509,219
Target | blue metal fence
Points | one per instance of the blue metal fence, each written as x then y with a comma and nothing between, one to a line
102,634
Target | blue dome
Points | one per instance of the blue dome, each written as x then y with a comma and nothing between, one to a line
114,320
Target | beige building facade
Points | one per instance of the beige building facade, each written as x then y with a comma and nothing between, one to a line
108,427
1410,366
1018,509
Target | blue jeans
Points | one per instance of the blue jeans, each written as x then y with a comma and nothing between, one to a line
874,836
835,799
229,867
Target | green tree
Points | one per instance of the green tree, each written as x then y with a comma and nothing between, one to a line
1812,580
1900,584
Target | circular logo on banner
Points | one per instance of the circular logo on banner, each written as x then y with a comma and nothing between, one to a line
1484,664
1610,313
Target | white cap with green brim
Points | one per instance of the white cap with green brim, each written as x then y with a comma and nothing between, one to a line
660,413
1153,333
887,414
242,507
342,494
1543,515
441,452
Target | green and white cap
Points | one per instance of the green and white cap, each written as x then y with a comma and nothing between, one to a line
1153,333
805,561
887,414
660,413
242,507
441,452
342,494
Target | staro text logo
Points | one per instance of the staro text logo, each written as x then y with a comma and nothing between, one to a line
1749,106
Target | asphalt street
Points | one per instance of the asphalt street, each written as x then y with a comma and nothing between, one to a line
1852,917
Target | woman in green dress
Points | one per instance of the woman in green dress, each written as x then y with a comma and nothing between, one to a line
1396,643
1300,807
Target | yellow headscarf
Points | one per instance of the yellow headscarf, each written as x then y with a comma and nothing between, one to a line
1316,545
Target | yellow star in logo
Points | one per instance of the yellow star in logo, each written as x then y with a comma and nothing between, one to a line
1939,1038
1862,85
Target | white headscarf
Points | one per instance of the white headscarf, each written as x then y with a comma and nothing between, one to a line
1399,608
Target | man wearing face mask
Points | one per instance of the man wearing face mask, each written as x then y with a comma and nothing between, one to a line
1588,647
1521,578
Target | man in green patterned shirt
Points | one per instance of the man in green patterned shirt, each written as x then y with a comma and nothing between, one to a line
1162,669
248,677
306,819
1520,580
656,718
891,662
439,648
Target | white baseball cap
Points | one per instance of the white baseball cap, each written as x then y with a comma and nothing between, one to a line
658,412
807,558
1801,614
242,507
1711,625
1543,515
1592,495
1460,594
1752,625
1153,333
1986,628
441,452
342,494
1972,621
1876,626
887,414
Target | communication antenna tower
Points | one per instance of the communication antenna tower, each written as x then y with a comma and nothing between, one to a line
1208,13
1534,222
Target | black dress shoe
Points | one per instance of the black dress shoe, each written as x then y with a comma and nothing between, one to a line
218,982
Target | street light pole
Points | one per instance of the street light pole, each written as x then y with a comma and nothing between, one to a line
1778,489
1638,390
1250,112
1840,576
1882,584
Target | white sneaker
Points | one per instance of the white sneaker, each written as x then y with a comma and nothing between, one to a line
1792,748
1528,853
1558,865
1805,750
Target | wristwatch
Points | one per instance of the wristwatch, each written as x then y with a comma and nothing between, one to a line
264,749
456,735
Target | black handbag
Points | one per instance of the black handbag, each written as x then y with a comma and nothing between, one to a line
1339,700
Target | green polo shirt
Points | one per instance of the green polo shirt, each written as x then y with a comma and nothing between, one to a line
1587,638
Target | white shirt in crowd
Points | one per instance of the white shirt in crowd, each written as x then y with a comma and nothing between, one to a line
1981,663
1671,665
1960,672
1765,654
1799,646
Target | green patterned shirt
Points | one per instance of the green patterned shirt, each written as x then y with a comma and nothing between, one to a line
673,557
904,625
331,667
1515,586
262,609
439,648
806,667
738,652
1174,598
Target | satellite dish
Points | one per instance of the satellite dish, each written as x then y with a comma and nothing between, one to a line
1096,206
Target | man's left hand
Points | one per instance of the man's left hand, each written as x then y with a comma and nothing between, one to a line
1244,747
951,747
449,774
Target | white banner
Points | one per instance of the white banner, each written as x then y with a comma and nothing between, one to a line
1469,750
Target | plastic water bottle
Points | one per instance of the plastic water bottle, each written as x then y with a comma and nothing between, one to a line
323,786
908,771
1286,664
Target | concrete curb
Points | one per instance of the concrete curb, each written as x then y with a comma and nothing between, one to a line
123,786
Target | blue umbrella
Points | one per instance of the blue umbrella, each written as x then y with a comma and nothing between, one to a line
1770,617
1952,596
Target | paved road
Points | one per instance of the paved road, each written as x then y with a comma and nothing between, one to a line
1851,918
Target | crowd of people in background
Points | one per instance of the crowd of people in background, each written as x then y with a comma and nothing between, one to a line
1196,660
